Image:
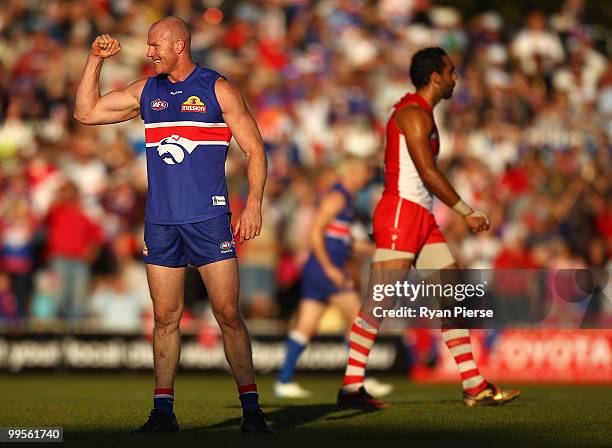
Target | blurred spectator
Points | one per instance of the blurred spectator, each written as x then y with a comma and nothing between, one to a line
258,262
18,227
537,49
84,168
116,305
17,231
514,253
526,137
8,304
131,270
15,134
44,305
72,244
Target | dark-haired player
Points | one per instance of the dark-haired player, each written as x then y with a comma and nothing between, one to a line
190,114
406,233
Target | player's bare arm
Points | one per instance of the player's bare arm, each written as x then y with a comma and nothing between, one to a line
417,125
113,107
245,131
331,204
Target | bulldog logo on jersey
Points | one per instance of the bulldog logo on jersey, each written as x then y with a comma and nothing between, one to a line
193,104
172,149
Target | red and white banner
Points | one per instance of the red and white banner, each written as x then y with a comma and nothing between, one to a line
562,356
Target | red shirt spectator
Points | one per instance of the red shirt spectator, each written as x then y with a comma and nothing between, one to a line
72,234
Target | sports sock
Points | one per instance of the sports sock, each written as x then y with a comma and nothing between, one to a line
458,342
249,399
163,399
296,343
363,335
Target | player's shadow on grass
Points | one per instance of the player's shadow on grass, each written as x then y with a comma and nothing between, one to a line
289,417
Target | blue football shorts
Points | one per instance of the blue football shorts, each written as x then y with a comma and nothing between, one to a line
197,243
315,284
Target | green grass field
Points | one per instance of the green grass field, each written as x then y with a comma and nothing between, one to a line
99,411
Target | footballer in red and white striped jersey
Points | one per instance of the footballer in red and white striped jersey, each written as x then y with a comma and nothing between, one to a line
406,233
403,219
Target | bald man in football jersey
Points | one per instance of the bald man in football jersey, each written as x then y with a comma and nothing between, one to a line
406,233
190,114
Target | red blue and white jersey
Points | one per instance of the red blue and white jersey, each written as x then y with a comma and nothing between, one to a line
315,283
401,176
187,141
338,230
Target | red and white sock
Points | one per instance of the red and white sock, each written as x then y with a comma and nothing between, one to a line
363,335
460,346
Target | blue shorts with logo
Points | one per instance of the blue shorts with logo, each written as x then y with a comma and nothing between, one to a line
315,283
197,243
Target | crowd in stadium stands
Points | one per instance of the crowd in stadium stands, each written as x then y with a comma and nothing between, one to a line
526,138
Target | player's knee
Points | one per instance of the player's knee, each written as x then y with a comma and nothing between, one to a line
306,329
168,317
229,317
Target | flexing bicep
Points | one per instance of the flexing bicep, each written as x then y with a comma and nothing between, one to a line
238,118
115,106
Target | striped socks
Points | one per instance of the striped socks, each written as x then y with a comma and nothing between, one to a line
363,335
249,399
296,343
458,342
163,399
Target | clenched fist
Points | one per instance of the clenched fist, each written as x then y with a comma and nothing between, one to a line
105,46
478,221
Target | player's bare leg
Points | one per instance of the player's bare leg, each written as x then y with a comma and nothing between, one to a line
476,390
166,285
386,272
437,264
221,280
349,303
364,331
167,289
308,316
